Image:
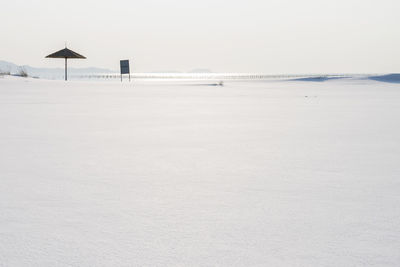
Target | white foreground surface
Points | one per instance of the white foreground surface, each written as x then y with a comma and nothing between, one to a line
250,174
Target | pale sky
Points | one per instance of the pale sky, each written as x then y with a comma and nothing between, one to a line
270,36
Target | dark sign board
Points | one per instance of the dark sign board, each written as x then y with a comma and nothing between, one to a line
124,66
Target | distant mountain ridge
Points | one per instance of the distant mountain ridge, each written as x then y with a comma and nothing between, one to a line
12,68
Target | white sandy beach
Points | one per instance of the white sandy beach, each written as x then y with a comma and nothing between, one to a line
262,173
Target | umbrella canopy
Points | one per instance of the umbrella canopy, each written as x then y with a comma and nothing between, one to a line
65,53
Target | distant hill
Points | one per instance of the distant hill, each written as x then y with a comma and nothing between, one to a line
200,71
389,78
191,71
50,73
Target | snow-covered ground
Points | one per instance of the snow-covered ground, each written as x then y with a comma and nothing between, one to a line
262,173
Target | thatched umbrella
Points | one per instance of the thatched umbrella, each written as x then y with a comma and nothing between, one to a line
65,53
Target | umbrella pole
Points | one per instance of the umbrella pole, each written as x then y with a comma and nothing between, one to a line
65,68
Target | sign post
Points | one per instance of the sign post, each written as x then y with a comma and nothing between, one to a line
124,65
